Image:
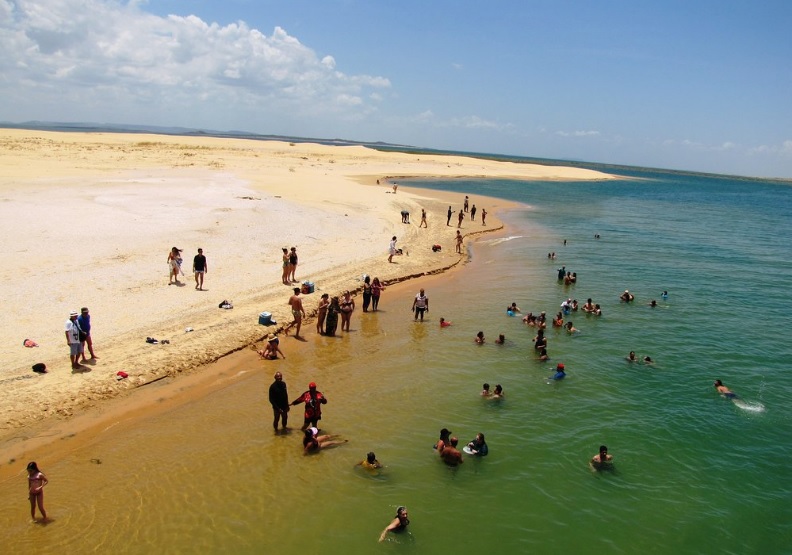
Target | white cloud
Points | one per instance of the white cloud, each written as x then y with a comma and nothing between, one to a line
577,133
784,149
107,51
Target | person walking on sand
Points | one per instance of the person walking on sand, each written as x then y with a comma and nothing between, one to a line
460,218
392,249
376,290
450,213
279,399
295,302
292,264
84,322
397,525
465,207
459,242
483,216
473,213
200,267
36,482
174,265
420,305
423,219
321,313
313,400
285,275
72,329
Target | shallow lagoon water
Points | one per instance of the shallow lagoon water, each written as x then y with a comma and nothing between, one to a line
693,472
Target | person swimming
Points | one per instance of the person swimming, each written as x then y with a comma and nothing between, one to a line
723,390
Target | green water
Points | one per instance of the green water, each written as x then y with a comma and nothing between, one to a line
693,472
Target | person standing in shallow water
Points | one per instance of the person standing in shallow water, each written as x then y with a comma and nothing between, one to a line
366,293
321,313
36,482
279,399
331,322
376,290
420,305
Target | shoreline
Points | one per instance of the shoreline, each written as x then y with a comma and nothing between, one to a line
152,187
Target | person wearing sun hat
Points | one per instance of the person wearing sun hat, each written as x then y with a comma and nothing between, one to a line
271,351
72,330
313,400
560,373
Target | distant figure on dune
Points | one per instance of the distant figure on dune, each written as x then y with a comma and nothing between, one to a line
423,219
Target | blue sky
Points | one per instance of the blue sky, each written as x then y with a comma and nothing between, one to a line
695,85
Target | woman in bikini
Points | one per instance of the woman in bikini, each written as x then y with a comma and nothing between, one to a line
376,289
36,483
347,308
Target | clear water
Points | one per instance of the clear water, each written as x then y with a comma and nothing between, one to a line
693,472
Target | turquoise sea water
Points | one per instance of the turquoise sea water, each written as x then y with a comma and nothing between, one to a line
693,472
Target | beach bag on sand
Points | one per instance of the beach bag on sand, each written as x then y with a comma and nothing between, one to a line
40,368
225,304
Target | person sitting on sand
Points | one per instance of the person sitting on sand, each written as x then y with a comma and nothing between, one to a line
479,338
451,455
486,391
370,462
444,323
478,446
723,390
398,524
627,297
313,442
500,340
272,349
602,459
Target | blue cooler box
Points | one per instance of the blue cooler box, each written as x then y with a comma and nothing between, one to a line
265,319
307,287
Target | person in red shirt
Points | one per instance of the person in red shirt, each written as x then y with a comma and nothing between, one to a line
313,400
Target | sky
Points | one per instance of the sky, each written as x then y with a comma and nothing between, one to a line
699,85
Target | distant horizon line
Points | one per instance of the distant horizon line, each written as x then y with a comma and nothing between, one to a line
92,127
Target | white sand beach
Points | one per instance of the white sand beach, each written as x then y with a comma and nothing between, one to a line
88,220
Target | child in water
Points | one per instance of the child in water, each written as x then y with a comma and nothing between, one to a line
36,483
